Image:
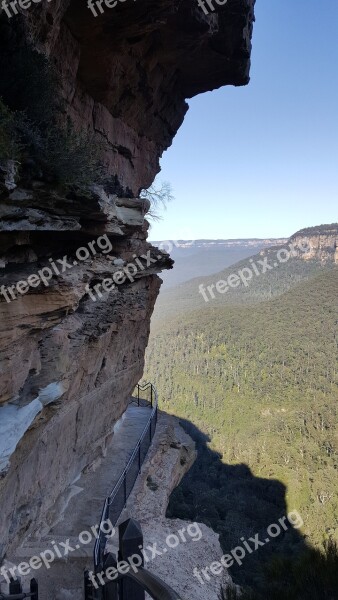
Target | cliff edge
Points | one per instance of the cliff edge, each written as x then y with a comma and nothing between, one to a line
78,277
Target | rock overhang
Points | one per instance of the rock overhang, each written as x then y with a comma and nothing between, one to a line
125,78
128,72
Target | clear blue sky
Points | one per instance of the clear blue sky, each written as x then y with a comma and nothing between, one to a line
262,160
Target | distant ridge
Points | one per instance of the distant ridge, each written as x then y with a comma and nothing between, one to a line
183,295
194,258
227,243
331,229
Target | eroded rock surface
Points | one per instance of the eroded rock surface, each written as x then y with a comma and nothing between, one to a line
128,72
70,352
171,456
70,356
320,243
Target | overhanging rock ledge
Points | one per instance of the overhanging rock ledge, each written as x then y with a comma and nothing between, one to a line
126,77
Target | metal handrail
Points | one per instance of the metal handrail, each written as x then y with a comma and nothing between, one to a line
143,388
122,479
126,469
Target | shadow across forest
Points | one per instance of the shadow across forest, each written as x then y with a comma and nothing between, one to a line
239,506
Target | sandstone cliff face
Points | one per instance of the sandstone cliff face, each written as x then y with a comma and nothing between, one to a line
322,243
128,71
70,356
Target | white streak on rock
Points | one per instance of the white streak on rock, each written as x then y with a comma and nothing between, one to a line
15,420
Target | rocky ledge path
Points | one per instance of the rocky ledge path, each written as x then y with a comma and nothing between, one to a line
171,455
77,511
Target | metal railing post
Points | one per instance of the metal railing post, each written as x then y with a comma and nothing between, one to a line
130,543
135,582
34,589
111,588
15,586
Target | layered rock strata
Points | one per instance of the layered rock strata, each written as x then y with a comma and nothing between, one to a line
71,343
71,351
320,243
128,72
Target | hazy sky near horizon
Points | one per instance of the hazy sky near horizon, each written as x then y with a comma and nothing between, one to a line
262,160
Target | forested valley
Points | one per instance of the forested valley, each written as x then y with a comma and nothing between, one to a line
254,381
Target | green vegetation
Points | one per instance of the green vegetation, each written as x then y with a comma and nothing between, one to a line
158,196
311,576
10,148
317,230
255,381
185,298
33,127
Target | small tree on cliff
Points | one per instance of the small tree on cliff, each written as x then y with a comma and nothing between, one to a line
158,195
